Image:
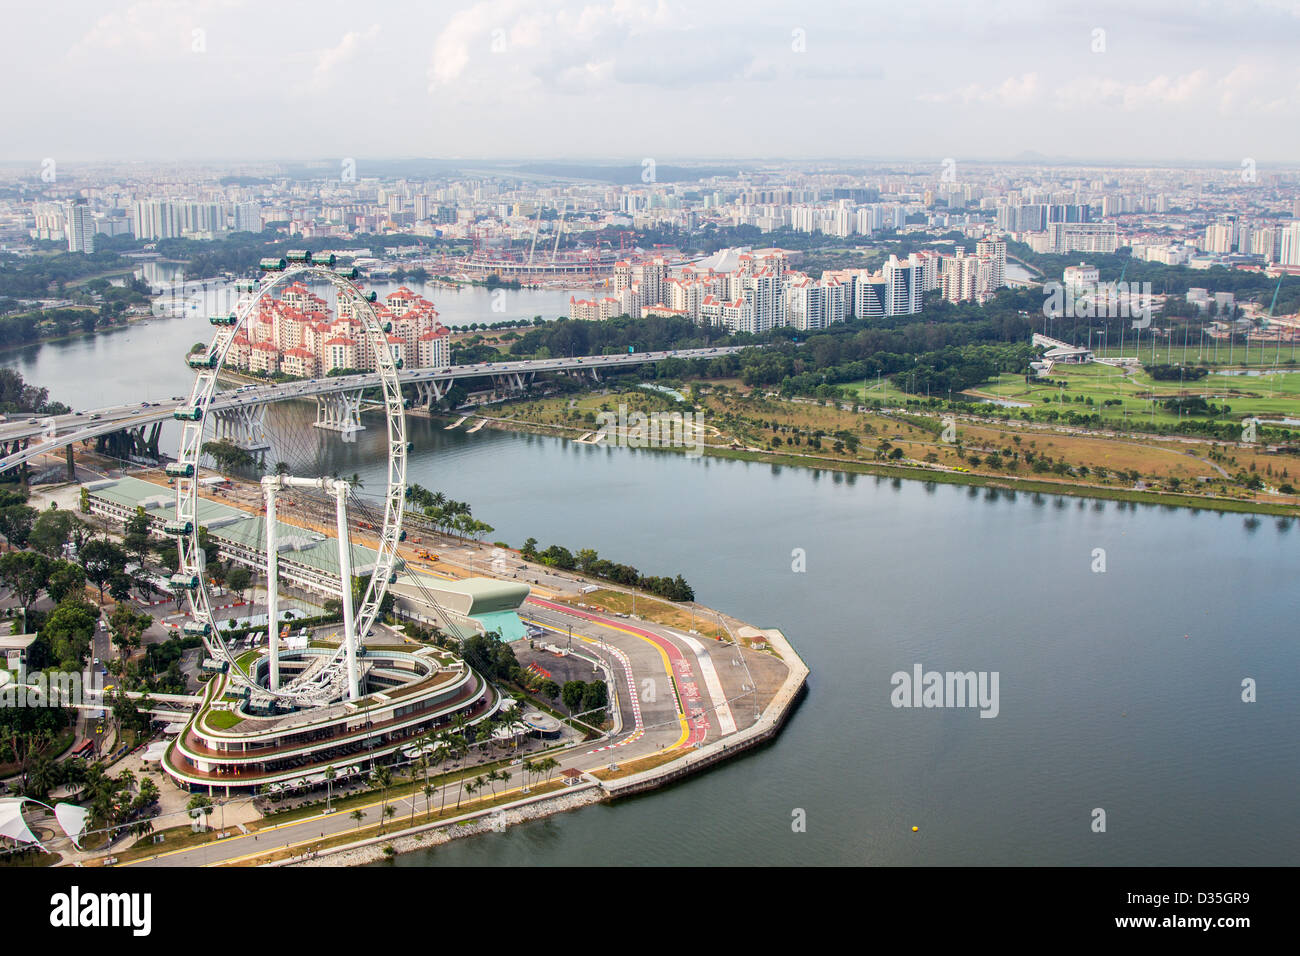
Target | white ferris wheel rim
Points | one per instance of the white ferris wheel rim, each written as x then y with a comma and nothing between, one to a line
190,554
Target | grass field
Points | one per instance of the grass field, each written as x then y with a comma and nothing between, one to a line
1271,395
1253,354
651,610
982,450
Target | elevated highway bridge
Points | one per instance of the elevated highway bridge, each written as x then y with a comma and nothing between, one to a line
239,413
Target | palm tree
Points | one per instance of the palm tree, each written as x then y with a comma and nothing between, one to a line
513,719
384,779
471,788
460,747
429,741
528,768
424,763
440,753
480,782
358,815
504,777
428,801
329,783
547,766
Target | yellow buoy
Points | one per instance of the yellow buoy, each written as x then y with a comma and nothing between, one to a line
914,829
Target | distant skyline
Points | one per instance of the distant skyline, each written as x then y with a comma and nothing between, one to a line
618,80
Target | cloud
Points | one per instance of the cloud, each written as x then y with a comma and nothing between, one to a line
1011,92
1247,88
330,59
535,46
150,29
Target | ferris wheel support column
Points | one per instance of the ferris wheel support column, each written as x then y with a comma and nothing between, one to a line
350,637
271,486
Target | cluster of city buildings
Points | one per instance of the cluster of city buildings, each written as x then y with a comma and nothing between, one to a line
1244,218
754,291
298,334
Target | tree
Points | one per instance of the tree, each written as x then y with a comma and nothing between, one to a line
65,578
25,572
16,524
31,734
490,656
211,550
594,698
50,532
136,538
227,456
200,802
102,560
79,532
128,626
69,628
238,579
384,780
572,693
119,586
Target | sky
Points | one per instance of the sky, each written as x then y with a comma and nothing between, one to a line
624,80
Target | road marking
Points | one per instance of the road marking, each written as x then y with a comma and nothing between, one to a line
726,721
687,730
638,724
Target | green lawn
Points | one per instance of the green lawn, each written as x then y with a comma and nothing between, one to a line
222,719
1266,396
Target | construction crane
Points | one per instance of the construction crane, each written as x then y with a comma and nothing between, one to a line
559,229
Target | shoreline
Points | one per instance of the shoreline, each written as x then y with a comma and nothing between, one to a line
922,473
592,790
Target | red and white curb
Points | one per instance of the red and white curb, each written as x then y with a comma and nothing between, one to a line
638,725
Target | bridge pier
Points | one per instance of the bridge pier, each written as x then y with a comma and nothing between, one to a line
427,394
144,439
244,426
581,373
339,412
72,467
513,382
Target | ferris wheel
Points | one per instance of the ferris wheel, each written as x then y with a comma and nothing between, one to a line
299,539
